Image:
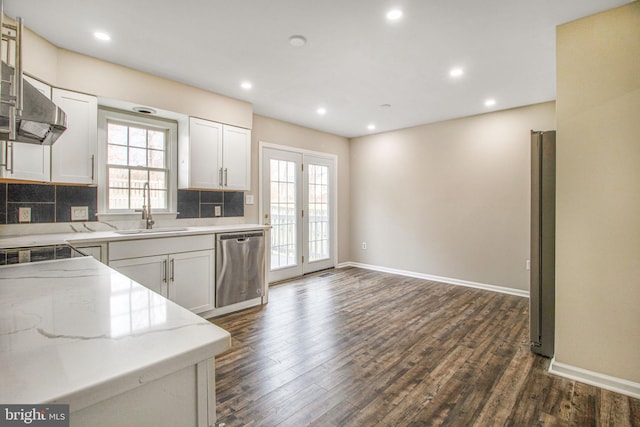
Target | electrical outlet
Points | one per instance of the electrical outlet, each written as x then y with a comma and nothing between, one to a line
24,256
249,199
24,214
364,246
79,213
217,211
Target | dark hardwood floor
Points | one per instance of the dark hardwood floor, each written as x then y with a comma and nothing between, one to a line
352,347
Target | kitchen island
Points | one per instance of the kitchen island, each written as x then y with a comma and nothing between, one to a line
77,332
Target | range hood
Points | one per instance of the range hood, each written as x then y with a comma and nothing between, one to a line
40,121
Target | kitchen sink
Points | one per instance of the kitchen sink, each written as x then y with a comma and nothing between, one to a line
151,230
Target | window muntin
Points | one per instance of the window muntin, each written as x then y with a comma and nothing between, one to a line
319,219
136,154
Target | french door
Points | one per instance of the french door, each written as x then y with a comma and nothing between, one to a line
298,201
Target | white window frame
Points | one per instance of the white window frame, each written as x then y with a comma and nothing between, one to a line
171,127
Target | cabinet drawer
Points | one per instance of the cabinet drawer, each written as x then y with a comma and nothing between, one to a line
159,246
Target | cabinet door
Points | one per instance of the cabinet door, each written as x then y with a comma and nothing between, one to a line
205,154
150,272
94,251
192,282
73,155
236,158
30,162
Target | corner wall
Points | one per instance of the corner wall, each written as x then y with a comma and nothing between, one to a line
448,199
598,194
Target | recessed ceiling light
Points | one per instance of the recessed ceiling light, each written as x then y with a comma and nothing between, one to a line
394,14
102,36
246,85
490,102
371,127
456,72
297,40
322,111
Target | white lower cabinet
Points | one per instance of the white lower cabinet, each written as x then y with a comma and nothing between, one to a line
178,268
150,271
187,272
95,250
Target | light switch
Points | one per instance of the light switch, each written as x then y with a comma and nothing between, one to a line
79,213
249,199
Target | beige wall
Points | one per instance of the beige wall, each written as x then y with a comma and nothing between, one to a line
598,193
449,199
70,70
40,57
278,132
85,74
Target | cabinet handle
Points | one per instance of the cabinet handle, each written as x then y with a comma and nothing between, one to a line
220,177
10,145
164,271
93,167
172,270
12,117
6,155
225,177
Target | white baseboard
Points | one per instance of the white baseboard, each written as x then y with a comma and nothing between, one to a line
617,385
493,288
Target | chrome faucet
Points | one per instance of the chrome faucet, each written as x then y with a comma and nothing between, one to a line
146,209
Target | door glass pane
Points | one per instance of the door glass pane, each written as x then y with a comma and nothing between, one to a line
318,212
282,211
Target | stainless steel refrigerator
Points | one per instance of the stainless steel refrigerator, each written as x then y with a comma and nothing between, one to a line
543,230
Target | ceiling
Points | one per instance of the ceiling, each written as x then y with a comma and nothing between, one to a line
355,59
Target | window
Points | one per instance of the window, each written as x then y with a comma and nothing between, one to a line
137,150
136,155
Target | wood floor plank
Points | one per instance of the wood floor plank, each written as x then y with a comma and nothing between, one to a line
352,347
583,406
615,409
501,402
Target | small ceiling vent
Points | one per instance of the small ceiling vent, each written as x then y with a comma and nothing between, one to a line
144,110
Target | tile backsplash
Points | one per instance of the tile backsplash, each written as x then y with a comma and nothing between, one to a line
48,203
52,203
202,204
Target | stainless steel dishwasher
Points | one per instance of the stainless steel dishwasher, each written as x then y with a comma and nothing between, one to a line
240,267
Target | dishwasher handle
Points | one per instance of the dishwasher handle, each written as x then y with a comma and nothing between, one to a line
240,237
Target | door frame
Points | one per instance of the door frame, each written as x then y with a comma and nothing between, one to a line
334,197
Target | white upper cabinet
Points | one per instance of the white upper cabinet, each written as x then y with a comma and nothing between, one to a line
74,154
199,154
31,162
213,156
236,158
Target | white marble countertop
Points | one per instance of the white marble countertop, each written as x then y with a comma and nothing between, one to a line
87,237
75,331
